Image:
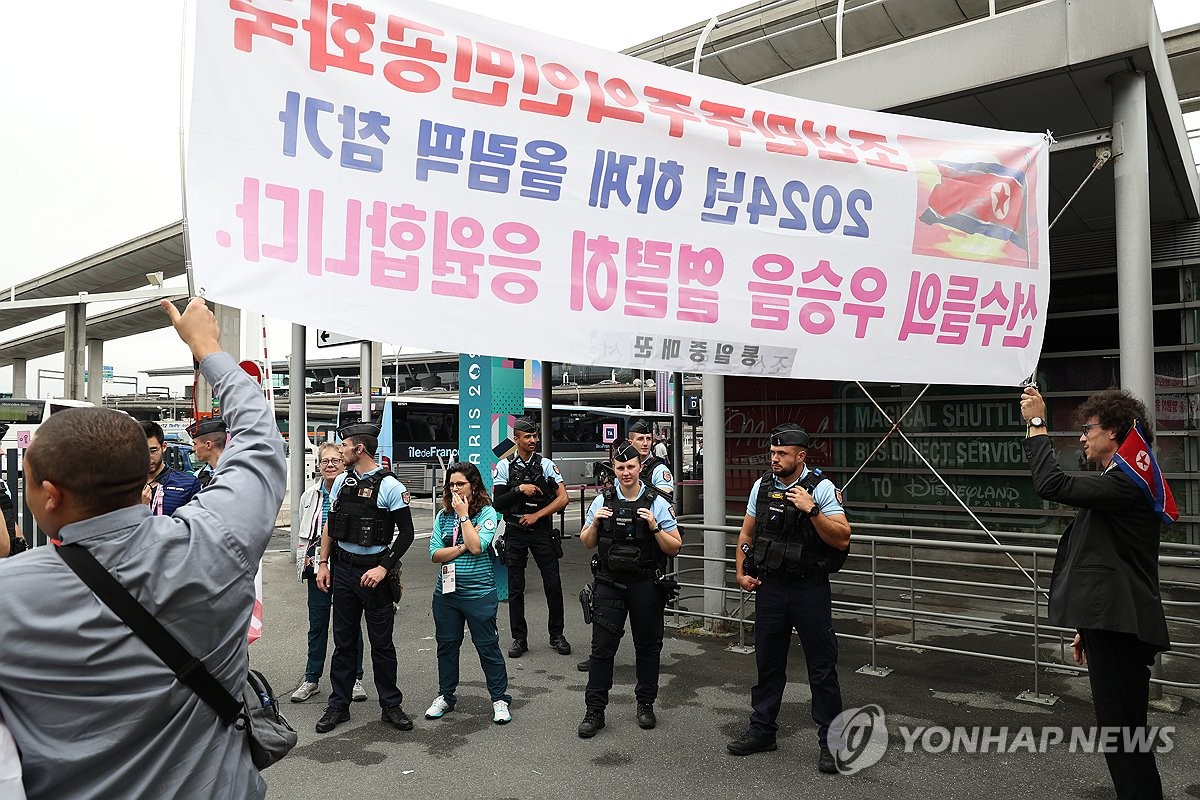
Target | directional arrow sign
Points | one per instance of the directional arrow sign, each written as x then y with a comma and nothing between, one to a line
331,339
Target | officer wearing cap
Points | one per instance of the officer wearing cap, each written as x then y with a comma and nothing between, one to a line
529,491
656,475
209,436
636,532
370,503
794,534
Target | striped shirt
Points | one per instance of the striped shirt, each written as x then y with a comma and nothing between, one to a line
474,575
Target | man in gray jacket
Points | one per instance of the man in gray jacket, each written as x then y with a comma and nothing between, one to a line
93,710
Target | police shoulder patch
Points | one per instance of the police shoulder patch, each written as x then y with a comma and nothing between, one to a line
489,525
838,494
556,472
407,498
671,508
667,474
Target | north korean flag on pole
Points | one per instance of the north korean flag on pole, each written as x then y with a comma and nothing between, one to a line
1136,460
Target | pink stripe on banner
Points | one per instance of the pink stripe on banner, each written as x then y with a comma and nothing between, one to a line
254,632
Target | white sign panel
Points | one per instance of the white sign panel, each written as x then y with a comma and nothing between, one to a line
408,172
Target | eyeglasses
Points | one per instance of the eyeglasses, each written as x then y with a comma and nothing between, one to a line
458,484
330,462
1087,427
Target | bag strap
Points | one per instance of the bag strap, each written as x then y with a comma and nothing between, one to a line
189,669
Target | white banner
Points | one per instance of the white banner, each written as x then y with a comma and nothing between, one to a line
405,172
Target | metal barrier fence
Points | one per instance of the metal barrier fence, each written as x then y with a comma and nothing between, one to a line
887,569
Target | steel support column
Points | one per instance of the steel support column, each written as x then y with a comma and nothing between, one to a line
297,425
714,490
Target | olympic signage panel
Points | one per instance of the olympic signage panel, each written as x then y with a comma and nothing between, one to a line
406,172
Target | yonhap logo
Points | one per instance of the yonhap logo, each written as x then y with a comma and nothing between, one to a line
858,738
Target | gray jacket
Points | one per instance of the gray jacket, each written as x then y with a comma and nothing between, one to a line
95,713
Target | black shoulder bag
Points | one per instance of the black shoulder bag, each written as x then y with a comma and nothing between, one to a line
257,713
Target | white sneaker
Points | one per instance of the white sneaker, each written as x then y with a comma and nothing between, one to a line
500,714
305,690
438,708
358,694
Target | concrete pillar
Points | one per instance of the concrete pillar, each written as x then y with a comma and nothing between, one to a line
297,426
1131,182
20,380
1131,188
229,320
73,350
714,490
95,368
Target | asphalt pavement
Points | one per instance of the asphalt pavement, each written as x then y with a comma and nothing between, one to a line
703,703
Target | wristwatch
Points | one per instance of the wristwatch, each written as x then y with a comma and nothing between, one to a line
1037,422
464,519
816,511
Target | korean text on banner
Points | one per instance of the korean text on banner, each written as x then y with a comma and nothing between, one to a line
439,174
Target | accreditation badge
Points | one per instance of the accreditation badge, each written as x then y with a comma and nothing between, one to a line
448,582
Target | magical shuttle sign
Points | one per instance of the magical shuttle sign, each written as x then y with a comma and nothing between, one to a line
405,172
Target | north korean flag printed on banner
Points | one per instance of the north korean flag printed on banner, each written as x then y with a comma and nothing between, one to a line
973,203
1136,460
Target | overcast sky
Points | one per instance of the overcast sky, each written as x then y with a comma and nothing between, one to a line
90,152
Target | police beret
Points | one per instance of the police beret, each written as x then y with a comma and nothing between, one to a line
525,425
789,435
625,451
641,425
359,429
207,425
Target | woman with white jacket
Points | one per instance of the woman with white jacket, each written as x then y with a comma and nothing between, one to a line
314,510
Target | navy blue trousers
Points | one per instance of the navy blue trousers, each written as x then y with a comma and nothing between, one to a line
784,605
351,602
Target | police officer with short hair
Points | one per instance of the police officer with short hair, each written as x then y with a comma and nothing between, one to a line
655,474
167,489
209,436
636,533
794,535
369,504
529,491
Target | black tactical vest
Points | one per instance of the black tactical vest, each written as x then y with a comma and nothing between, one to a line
529,472
627,547
647,477
356,517
785,540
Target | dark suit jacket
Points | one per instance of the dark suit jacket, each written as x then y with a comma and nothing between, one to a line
1106,571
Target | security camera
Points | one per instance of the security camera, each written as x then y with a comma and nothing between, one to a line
155,279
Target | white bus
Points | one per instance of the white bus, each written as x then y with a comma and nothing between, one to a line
418,436
23,416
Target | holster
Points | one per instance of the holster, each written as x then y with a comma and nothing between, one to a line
394,586
585,600
556,538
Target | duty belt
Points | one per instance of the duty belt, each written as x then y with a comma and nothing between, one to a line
356,560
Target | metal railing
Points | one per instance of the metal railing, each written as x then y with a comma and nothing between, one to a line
889,572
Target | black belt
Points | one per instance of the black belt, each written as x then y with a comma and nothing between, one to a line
356,560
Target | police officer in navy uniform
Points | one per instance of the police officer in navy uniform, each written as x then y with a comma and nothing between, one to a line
209,436
636,532
655,475
794,535
529,491
370,503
